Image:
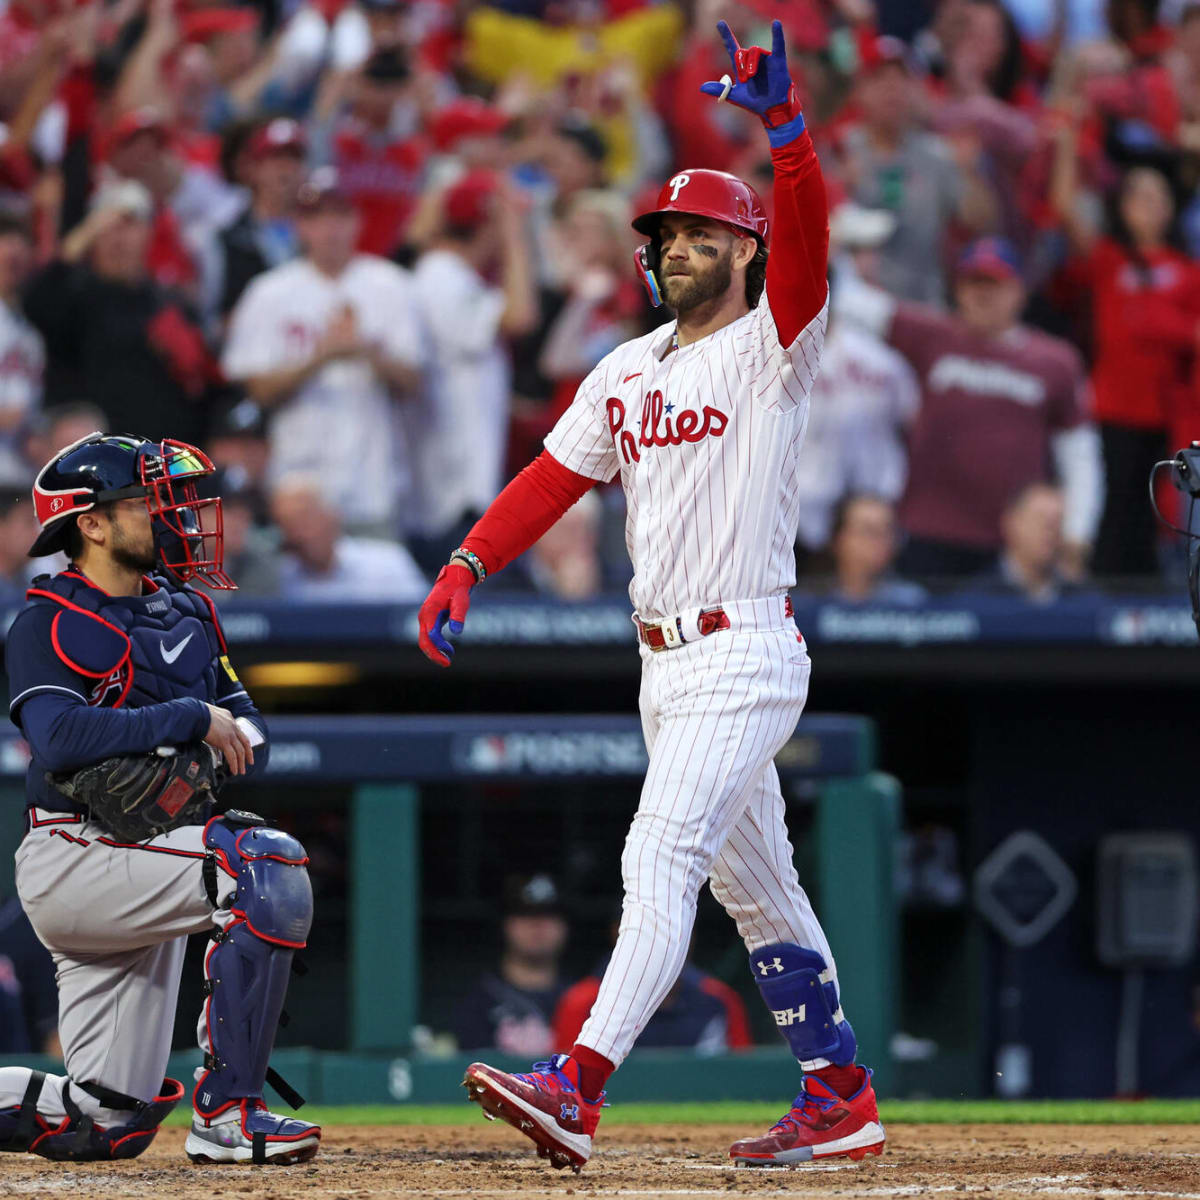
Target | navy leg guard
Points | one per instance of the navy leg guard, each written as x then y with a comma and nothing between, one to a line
78,1138
797,987
248,965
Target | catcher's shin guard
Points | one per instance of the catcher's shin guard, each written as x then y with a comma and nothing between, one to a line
48,1121
248,965
798,987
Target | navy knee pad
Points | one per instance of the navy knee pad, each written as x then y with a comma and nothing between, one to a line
797,986
248,966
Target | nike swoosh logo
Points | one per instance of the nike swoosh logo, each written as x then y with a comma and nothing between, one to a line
627,378
169,656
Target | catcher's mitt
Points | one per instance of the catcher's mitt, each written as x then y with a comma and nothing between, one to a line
138,796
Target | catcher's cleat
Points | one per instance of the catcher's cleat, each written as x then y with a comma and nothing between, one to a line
248,1132
544,1105
819,1125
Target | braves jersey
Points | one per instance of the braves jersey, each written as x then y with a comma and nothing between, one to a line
706,440
93,675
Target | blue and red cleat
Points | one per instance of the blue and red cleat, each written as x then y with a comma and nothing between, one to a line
820,1125
545,1105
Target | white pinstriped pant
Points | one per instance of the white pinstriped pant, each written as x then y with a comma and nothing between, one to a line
714,713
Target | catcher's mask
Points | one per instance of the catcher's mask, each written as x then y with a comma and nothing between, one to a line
700,193
188,531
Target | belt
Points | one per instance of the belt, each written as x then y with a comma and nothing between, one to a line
668,634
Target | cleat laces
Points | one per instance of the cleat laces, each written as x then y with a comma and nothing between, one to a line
798,1113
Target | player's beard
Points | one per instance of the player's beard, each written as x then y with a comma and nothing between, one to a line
686,293
137,555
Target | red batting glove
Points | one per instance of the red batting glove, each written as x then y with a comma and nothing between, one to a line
449,599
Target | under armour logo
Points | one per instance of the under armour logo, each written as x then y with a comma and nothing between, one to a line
776,964
58,501
570,1112
677,185
789,1016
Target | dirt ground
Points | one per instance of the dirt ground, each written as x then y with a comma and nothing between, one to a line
475,1159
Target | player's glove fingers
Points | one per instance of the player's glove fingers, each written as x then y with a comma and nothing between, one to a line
714,88
778,42
731,43
460,601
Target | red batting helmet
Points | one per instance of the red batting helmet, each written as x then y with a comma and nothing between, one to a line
704,193
701,193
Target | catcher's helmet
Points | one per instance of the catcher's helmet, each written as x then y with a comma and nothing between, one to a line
702,193
188,531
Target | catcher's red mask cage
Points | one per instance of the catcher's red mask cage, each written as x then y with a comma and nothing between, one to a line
189,532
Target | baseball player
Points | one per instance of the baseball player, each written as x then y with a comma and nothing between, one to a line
703,421
123,688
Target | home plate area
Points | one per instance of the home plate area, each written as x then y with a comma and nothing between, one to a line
477,1160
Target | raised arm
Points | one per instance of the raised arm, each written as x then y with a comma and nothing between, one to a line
799,250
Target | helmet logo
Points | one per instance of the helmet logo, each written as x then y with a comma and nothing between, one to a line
677,185
56,504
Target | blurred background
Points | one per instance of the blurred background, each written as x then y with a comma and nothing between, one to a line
364,251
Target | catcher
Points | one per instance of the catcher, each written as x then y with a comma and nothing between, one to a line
121,684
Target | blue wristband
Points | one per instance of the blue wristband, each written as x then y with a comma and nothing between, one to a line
780,135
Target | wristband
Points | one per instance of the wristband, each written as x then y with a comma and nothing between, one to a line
471,561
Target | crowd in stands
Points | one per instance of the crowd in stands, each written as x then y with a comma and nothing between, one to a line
364,251
525,1004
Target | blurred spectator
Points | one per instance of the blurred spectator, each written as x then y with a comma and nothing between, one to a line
252,555
603,300
238,442
510,1008
1144,296
28,992
377,146
112,333
458,432
18,529
22,358
321,563
185,199
1000,401
699,1013
864,546
890,163
328,343
1029,563
264,236
565,561
864,399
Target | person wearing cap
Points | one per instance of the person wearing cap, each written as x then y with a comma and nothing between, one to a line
328,344
468,319
264,235
890,163
1000,403
22,354
378,149
864,399
113,333
510,1008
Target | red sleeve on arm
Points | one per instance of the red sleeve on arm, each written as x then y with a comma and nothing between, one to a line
538,496
798,259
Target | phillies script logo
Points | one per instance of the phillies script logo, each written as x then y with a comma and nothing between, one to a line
659,427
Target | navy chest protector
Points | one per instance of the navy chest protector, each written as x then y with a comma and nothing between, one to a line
134,650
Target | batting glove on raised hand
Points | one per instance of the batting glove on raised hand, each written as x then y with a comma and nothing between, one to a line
448,601
764,84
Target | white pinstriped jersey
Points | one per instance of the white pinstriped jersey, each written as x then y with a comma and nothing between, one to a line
707,441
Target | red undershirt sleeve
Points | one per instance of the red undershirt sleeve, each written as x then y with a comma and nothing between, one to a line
530,504
798,258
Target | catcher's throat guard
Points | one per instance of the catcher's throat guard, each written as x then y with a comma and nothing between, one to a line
189,534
